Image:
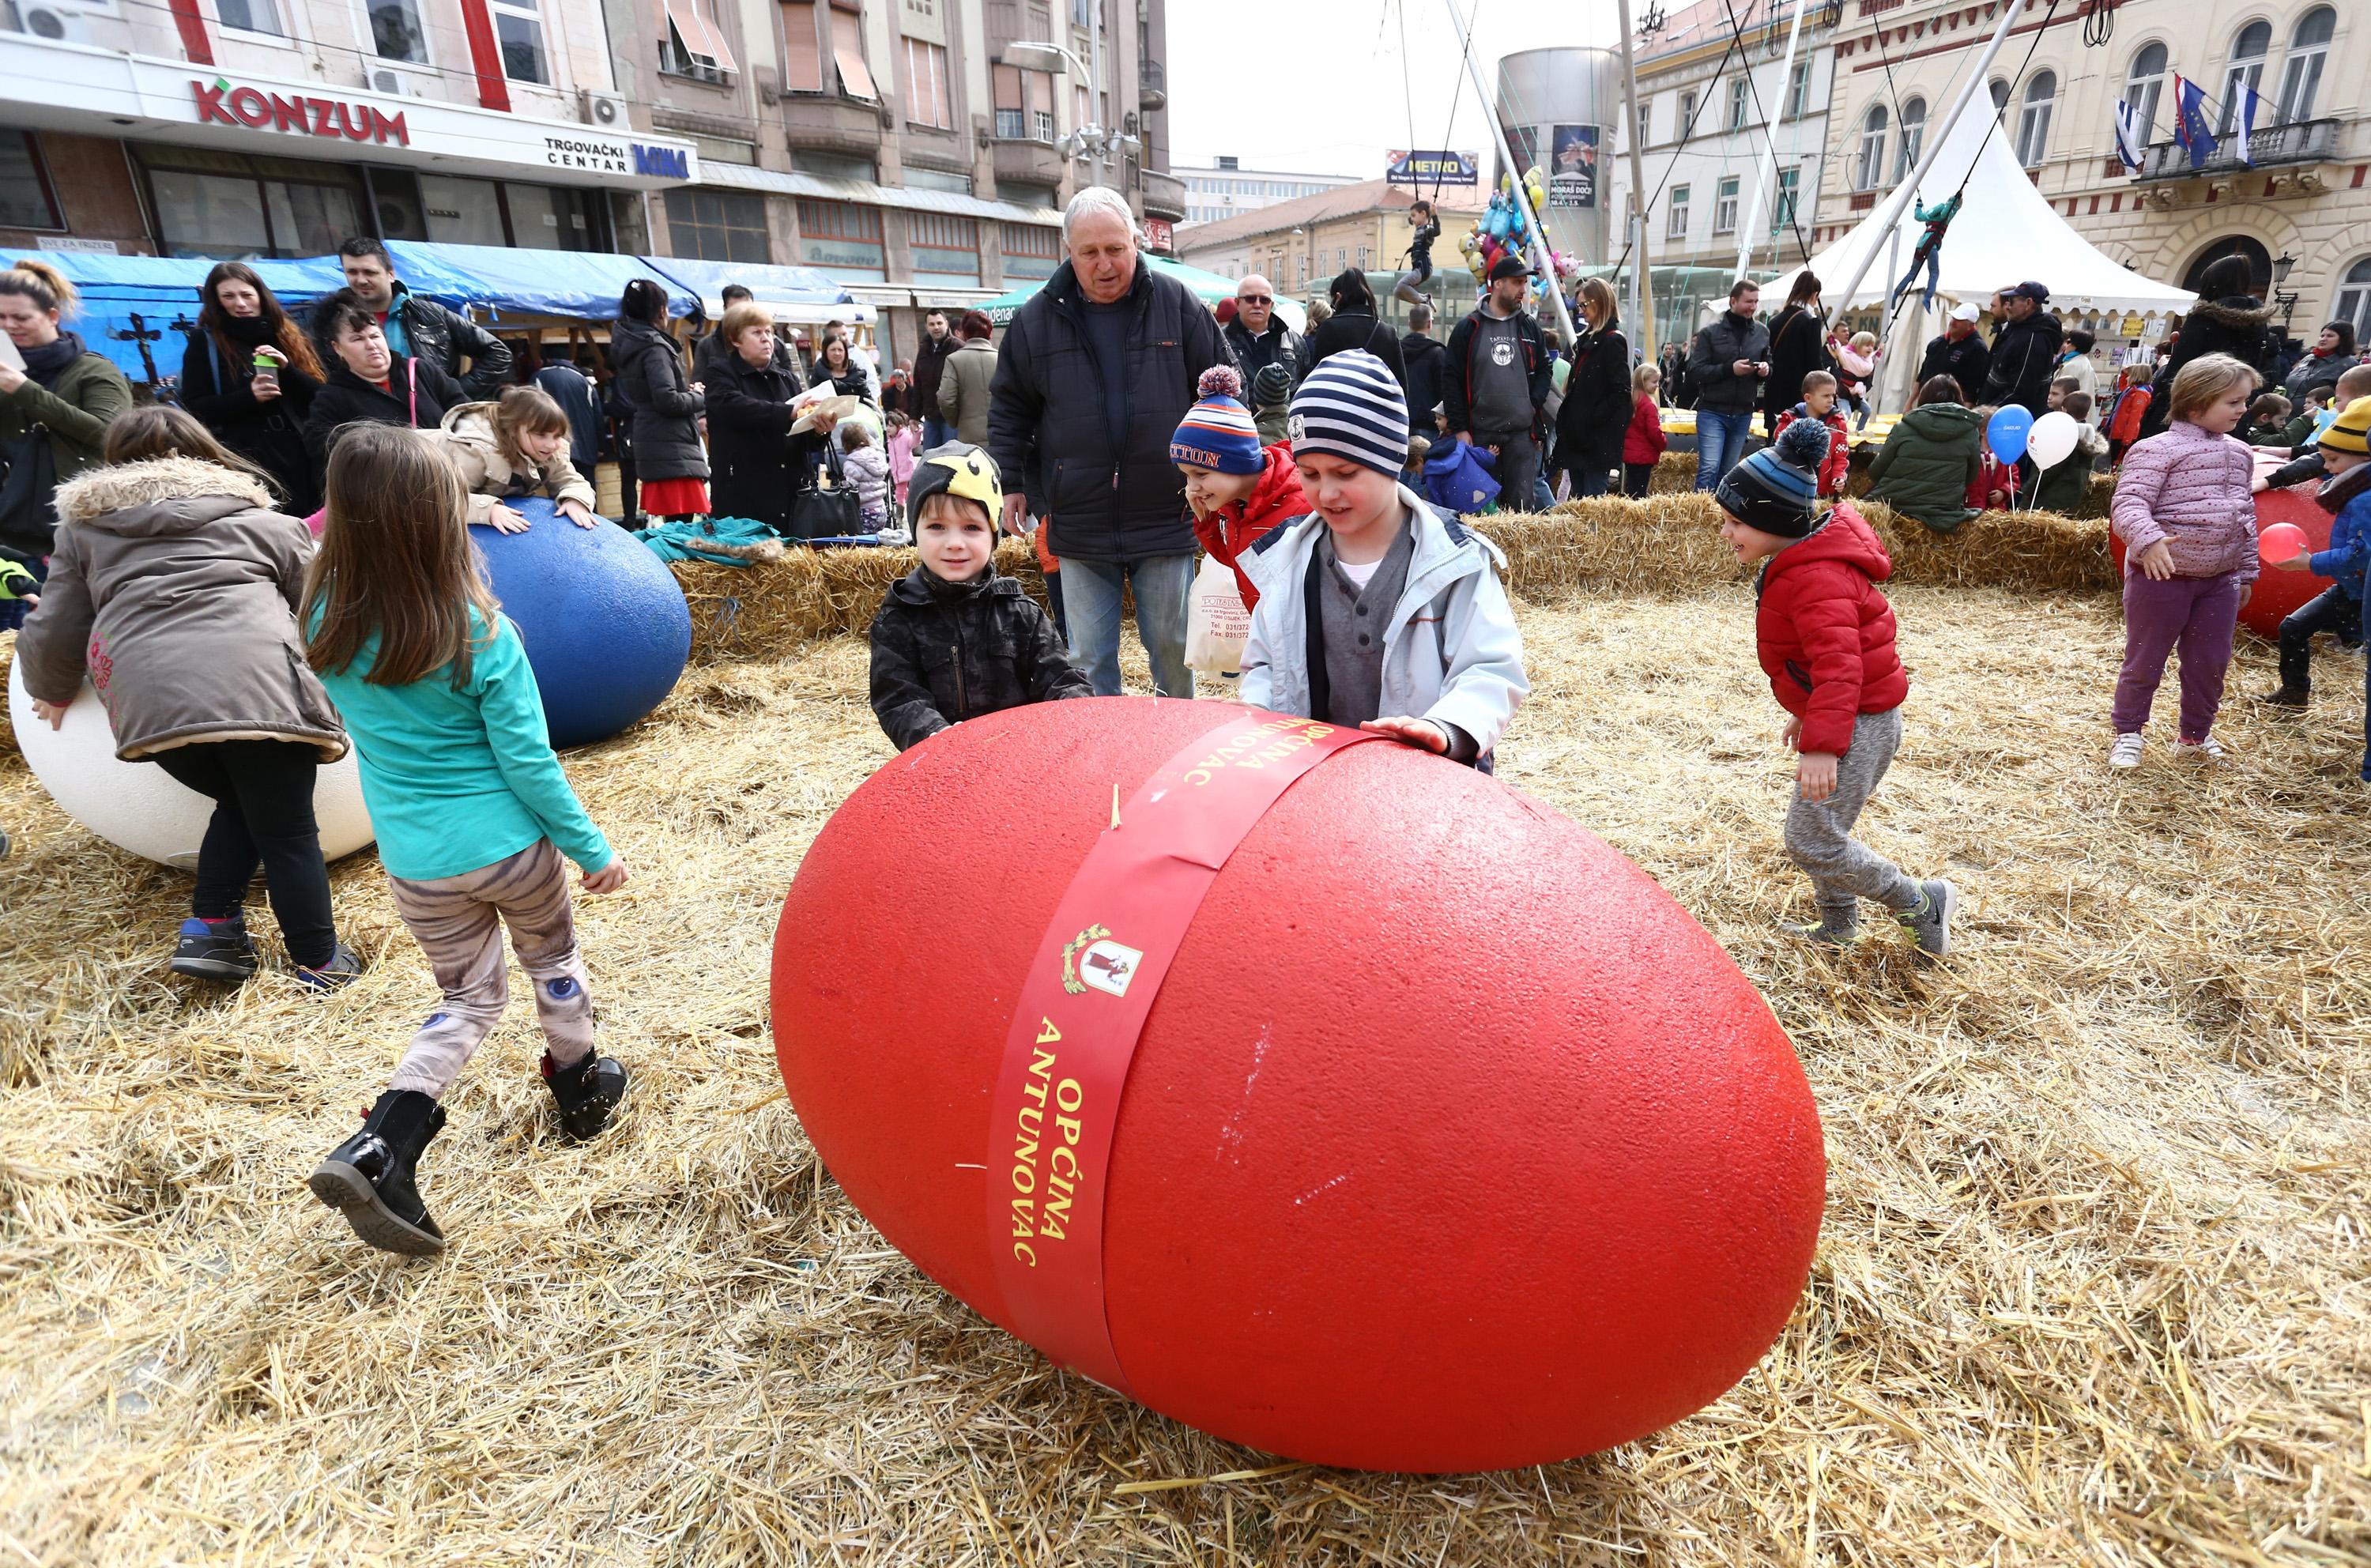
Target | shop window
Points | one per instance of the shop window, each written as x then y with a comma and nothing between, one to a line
396,30
461,212
945,246
251,16
518,30
552,217
231,205
926,84
27,200
208,214
309,220
1031,250
843,236
718,225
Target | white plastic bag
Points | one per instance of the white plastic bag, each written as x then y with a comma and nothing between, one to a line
1217,624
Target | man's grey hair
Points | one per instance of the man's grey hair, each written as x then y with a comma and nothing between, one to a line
1419,317
1100,199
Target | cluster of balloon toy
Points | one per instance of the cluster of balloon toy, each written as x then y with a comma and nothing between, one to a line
1502,228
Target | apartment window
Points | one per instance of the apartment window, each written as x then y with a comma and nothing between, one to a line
944,247
719,225
1739,91
926,84
2034,121
1724,206
1362,259
251,16
1646,121
2245,70
1799,90
2144,85
1870,170
1675,223
1300,270
847,52
1999,89
519,33
693,45
1687,113
27,199
803,49
1914,134
396,31
1031,250
1791,189
2301,77
841,236
1082,13
2354,299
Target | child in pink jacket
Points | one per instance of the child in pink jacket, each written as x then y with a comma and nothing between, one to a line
905,444
2184,509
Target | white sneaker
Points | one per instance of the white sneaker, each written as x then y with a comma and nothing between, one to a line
2208,750
2126,752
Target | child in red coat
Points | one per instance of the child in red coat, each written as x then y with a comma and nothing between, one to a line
1820,403
1643,443
1825,635
1238,490
1988,492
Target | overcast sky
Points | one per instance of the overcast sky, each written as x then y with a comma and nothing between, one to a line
1314,88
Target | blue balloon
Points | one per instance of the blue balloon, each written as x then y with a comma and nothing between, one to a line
2007,433
1497,223
605,623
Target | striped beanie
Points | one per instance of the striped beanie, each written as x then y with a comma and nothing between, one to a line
1271,386
1218,433
1774,490
2351,431
1351,406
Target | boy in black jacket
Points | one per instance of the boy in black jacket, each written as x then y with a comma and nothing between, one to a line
952,639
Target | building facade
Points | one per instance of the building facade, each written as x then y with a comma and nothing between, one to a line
1300,244
1722,112
2301,212
883,142
1224,188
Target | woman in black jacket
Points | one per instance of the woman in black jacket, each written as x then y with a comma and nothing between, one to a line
1597,405
2228,319
1353,325
1798,345
759,466
670,464
258,413
835,366
367,382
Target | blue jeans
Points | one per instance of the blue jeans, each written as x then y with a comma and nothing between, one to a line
1720,444
935,433
1090,590
1590,481
1934,259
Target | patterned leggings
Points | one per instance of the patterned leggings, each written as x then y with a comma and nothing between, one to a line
458,922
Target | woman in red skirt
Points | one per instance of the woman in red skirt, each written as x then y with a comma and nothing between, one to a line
669,461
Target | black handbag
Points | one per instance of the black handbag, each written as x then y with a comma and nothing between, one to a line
833,514
28,525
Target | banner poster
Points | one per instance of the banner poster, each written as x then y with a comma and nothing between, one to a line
1434,169
1572,181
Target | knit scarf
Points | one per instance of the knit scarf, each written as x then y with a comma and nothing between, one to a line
49,362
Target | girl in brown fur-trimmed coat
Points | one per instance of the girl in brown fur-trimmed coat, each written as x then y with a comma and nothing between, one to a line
174,585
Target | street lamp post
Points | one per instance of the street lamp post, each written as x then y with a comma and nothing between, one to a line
1090,140
2283,297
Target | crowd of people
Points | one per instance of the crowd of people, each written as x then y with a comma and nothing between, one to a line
278,569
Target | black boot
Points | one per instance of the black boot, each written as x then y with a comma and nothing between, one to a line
214,949
587,1093
372,1177
2288,696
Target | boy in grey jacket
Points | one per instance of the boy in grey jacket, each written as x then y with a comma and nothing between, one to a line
1375,609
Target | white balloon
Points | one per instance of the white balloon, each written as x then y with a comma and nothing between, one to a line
140,807
2053,437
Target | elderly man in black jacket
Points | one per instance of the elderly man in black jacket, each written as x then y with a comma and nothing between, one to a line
421,329
2025,355
1096,371
1257,337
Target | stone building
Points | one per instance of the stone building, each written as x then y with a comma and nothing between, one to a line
1299,245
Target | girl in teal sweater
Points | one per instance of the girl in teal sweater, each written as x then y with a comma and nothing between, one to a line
472,809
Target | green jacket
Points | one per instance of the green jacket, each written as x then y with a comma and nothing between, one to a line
90,394
1927,465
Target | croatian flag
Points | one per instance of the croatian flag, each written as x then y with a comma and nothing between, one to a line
2128,136
2189,123
2249,104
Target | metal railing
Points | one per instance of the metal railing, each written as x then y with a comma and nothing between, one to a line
2304,141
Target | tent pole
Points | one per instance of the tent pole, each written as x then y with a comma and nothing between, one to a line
1769,134
1977,83
1642,284
1546,263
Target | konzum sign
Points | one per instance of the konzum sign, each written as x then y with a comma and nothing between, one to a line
260,111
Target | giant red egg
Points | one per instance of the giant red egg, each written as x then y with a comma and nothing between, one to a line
2277,593
1450,1142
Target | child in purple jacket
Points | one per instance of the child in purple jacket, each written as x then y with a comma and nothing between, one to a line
2188,520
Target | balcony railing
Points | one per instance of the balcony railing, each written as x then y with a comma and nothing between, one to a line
2306,140
1152,85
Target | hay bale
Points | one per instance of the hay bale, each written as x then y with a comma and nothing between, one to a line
8,658
1675,474
771,610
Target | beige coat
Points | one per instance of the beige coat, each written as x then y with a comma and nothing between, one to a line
467,436
963,390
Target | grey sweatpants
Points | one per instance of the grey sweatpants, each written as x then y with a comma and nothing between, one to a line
1819,834
458,922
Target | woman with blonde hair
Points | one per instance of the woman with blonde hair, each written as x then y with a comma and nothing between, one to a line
515,446
54,411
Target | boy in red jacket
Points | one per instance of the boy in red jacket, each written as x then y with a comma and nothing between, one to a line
1237,489
1825,635
1819,403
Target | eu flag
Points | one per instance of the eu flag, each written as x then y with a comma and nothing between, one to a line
2189,123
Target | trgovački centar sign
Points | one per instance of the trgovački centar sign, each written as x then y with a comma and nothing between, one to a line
260,111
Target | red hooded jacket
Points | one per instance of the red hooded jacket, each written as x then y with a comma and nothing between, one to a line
1644,441
1231,530
1825,634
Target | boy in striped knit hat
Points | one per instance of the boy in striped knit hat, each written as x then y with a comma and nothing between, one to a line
1376,609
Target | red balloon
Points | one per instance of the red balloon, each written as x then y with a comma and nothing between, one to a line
1451,1143
2280,542
2277,593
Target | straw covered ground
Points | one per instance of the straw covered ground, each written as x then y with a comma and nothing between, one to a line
2091,1288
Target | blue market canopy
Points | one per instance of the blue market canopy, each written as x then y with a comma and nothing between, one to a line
793,293
1208,287
129,299
580,284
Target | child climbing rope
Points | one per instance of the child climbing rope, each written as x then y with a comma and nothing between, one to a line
1930,251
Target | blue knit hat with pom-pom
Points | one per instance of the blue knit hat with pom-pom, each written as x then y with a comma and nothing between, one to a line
1774,490
1218,433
